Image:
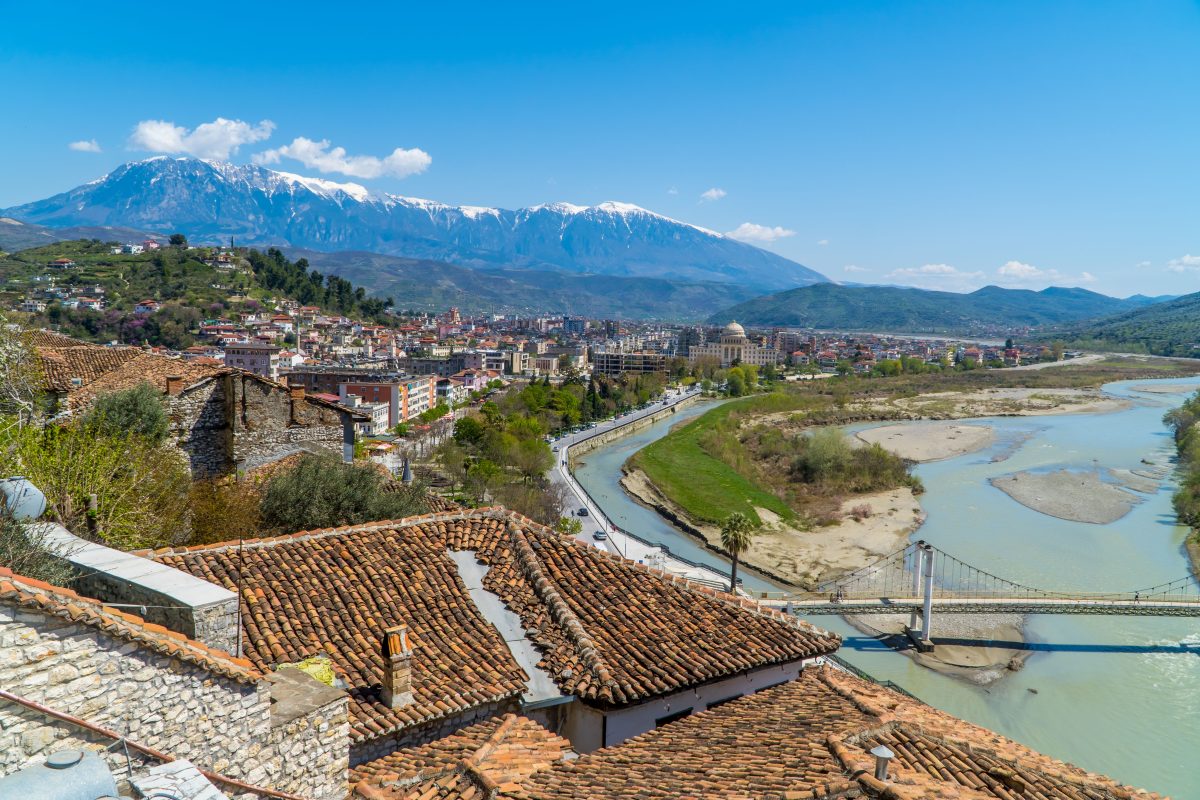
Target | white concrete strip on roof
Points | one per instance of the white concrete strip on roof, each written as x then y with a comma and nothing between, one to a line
541,689
187,589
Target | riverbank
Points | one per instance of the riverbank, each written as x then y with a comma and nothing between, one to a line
872,526
1077,496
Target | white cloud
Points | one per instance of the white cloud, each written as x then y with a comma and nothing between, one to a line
938,276
749,232
823,242
217,139
1144,265
1186,263
1020,273
319,156
854,268
712,194
85,146
672,190
1087,277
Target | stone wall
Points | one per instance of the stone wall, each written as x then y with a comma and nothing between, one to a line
269,423
158,593
201,427
181,709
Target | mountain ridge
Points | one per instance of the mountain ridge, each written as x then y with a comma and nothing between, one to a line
210,200
913,310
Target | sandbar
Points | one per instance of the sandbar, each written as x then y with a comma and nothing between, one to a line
930,442
1069,495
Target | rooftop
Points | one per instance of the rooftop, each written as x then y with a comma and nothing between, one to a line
610,631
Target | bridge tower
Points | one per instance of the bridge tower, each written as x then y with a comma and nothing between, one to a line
923,555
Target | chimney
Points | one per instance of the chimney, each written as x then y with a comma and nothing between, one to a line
296,392
397,667
883,755
174,385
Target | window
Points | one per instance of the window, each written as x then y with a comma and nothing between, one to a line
667,720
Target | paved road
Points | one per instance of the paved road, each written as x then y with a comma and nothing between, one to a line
617,541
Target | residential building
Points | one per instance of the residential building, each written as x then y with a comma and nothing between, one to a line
259,358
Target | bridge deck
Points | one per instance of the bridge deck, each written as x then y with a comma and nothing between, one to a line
1183,607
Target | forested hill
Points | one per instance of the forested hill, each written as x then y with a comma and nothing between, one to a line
902,309
1171,328
191,284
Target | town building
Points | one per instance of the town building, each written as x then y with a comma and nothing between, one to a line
618,363
734,347
259,358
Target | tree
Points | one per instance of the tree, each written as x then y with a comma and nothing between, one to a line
132,412
1057,348
177,240
20,374
324,492
569,526
737,532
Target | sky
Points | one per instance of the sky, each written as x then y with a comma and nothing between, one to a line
943,145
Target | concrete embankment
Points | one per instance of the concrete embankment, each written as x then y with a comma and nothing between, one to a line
600,439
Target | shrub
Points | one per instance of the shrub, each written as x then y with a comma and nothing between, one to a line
324,492
23,550
860,512
133,412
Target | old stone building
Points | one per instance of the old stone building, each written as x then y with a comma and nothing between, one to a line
77,674
224,420
734,347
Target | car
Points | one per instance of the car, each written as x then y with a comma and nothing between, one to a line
583,512
600,536
554,449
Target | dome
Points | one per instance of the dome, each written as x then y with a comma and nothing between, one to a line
733,329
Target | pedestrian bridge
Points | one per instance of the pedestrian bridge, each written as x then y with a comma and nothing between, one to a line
923,581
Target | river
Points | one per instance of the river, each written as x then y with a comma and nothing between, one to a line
1119,695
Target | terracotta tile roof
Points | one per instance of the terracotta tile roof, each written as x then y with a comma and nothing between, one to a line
610,631
811,738
63,603
474,762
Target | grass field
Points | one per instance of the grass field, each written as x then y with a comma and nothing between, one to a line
707,488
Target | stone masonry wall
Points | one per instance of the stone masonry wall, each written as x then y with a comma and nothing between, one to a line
200,425
178,708
269,424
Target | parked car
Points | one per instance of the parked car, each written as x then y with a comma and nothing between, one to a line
600,536
583,512
555,448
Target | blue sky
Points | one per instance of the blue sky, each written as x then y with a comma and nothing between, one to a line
946,145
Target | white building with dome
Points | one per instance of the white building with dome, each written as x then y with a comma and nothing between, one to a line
734,347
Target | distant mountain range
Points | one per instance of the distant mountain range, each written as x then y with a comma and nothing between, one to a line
435,285
887,308
213,200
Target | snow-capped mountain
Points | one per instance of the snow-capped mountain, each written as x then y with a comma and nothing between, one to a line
211,200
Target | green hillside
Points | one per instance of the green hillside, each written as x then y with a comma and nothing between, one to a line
900,309
1166,329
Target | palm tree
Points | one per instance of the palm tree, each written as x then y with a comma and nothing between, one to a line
736,534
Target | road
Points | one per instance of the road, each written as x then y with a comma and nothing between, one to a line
619,541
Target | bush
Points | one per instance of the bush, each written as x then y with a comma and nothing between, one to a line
860,512
223,511
324,492
23,550
138,412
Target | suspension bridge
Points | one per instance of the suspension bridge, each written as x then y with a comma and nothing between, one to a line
923,581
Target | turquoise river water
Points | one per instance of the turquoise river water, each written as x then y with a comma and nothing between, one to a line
1119,695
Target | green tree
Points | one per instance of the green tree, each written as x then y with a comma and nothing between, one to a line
177,240
569,526
324,492
132,412
737,532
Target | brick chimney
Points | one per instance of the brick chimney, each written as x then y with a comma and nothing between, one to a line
296,392
174,385
397,667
